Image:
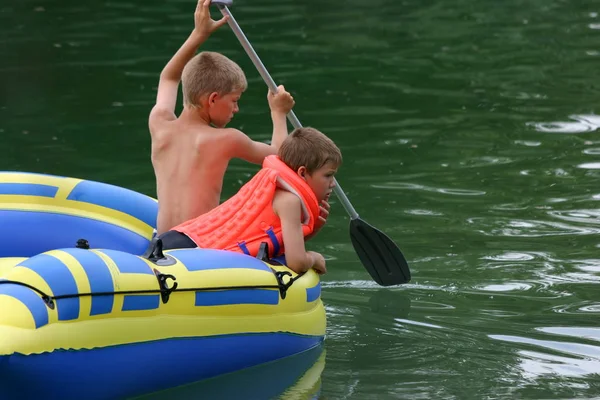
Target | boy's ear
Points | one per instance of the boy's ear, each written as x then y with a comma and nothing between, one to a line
302,172
212,97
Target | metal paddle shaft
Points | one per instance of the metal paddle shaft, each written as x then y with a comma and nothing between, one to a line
273,87
378,253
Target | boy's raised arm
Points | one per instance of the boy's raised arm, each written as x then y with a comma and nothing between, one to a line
280,104
166,97
241,146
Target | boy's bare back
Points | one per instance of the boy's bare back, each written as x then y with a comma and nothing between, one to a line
190,153
189,163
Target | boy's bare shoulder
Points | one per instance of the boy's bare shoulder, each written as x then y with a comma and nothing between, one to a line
286,203
240,145
232,138
232,133
159,117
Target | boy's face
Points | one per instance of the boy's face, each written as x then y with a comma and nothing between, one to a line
321,181
223,108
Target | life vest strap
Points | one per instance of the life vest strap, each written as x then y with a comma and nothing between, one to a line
242,245
276,246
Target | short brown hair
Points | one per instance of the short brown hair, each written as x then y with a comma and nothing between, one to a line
310,148
210,72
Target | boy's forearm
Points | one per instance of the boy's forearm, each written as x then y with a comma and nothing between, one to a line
301,265
174,67
299,262
280,131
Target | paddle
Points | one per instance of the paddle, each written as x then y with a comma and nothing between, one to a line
377,252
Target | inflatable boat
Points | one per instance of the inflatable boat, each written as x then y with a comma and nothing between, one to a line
91,307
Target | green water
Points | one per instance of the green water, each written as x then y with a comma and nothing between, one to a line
470,135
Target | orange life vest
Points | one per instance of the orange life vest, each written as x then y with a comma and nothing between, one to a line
245,220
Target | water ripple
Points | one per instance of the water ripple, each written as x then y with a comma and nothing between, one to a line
595,165
424,212
580,332
578,277
582,216
527,228
352,284
535,365
486,161
401,321
576,349
416,186
507,287
591,265
585,358
512,256
584,123
428,305
592,308
528,143
585,307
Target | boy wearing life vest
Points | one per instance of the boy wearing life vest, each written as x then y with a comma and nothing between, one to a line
190,153
284,204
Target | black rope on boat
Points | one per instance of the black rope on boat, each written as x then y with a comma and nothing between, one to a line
164,290
154,253
45,298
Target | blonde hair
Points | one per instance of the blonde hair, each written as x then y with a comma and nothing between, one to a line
310,148
210,72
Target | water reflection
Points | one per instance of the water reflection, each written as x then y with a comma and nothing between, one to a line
577,360
294,378
372,333
351,315
580,332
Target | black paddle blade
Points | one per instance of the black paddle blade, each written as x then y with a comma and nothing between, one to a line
379,254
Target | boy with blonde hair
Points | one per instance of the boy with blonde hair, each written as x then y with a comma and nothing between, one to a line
281,205
190,153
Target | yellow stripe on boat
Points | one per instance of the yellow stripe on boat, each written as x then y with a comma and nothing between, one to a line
75,208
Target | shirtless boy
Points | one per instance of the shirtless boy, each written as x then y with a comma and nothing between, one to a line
190,153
